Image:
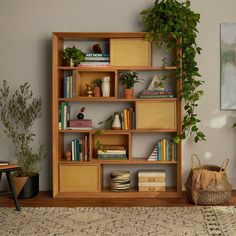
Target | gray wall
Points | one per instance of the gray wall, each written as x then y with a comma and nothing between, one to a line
25,46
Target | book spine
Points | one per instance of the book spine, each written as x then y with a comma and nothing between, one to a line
125,119
86,148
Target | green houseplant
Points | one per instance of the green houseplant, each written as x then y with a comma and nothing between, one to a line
171,19
18,111
72,56
128,79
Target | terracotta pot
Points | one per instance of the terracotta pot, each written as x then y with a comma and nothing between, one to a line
97,92
26,187
128,93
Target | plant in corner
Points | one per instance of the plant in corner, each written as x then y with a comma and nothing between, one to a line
18,111
72,56
170,18
128,79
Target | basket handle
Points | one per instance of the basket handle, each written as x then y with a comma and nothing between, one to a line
196,157
224,164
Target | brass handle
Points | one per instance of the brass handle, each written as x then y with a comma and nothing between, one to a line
151,179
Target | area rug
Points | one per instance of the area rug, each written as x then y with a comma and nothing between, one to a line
168,221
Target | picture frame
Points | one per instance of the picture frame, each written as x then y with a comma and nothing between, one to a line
228,66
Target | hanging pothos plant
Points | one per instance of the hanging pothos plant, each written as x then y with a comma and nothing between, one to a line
170,18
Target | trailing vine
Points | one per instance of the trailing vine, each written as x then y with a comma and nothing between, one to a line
169,18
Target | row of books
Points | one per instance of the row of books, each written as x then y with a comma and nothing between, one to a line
156,94
69,84
127,117
164,150
96,59
64,115
79,149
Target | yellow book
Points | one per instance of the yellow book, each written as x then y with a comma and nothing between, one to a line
125,119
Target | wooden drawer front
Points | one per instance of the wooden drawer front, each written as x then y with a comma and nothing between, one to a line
152,179
130,52
156,115
79,178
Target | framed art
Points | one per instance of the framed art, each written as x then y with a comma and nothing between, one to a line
228,66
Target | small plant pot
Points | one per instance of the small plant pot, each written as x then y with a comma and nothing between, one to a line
26,187
128,93
97,92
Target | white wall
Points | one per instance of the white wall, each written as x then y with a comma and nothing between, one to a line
25,46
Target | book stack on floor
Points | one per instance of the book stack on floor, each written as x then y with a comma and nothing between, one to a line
85,124
112,152
96,59
156,94
120,181
164,150
151,180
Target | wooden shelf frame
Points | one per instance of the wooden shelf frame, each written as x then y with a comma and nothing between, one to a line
58,39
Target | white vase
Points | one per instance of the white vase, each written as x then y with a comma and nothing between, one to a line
116,123
105,86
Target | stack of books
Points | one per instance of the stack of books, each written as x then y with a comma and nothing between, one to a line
151,180
112,152
156,94
120,181
85,124
96,59
164,150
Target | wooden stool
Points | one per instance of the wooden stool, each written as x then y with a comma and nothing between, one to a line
8,169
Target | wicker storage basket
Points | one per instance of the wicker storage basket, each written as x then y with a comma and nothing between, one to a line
214,193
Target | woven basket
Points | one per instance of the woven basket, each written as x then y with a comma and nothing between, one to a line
214,194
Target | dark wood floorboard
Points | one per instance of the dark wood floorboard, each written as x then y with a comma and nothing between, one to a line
44,199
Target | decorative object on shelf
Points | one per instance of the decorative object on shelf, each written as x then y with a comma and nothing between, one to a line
72,56
89,90
156,84
105,86
68,155
97,87
116,122
97,48
18,111
128,79
162,20
151,180
80,115
120,181
208,184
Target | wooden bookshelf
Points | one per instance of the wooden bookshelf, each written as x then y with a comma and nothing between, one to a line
67,175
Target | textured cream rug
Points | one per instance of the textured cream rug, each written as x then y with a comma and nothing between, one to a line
167,221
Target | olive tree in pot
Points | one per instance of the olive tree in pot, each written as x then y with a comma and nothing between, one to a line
18,111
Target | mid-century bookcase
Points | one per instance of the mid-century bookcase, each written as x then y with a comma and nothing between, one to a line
155,118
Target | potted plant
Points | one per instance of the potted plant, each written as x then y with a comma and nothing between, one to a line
97,87
72,56
173,19
128,79
18,111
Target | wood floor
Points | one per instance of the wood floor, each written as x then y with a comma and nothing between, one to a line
44,199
